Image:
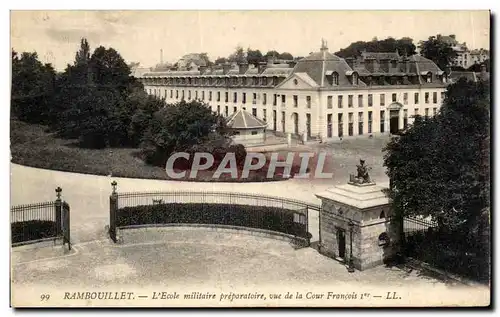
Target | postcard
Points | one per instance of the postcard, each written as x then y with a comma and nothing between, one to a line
250,159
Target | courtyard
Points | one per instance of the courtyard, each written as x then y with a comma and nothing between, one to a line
185,260
193,258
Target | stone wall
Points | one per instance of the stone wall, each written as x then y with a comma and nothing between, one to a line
370,224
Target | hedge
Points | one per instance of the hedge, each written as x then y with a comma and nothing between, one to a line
452,252
260,217
32,230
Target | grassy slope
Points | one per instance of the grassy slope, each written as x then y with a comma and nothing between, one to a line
32,146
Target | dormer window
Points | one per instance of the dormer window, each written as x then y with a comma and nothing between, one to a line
332,77
355,79
429,77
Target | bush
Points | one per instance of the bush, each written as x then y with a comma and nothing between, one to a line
260,217
32,230
450,251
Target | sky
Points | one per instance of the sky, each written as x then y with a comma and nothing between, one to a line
139,36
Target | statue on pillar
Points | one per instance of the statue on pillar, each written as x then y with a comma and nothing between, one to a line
362,176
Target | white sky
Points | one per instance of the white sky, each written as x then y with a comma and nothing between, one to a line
139,35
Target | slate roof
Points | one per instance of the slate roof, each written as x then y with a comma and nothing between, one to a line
455,76
423,64
242,119
277,71
306,79
194,58
312,65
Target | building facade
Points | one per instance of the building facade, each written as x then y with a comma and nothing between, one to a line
465,57
322,96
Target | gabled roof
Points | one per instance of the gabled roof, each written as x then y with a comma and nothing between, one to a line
318,64
308,80
242,119
455,76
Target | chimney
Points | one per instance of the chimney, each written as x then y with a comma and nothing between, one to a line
483,69
324,46
161,56
261,67
226,67
243,67
369,65
384,65
203,69
350,62
270,61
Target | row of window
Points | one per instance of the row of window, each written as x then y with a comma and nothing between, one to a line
394,98
295,98
340,120
202,96
350,129
350,115
215,81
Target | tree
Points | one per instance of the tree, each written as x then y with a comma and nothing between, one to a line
285,56
82,57
477,67
438,50
204,57
177,128
238,56
109,70
254,56
437,167
271,54
403,46
33,88
220,60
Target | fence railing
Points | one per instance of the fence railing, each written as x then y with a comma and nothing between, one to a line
450,250
39,222
261,212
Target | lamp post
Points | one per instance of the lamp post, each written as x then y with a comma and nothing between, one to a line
350,267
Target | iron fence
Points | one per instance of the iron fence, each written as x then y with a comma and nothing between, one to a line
451,250
33,222
276,214
39,222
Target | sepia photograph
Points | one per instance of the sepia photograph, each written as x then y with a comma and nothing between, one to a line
218,158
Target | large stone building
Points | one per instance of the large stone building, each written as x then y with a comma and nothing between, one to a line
465,57
322,96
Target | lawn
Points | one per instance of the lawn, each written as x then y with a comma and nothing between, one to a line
32,146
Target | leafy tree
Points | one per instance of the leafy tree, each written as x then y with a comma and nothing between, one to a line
477,67
109,69
286,56
33,88
220,60
204,56
438,50
437,167
272,54
177,128
403,46
238,56
254,56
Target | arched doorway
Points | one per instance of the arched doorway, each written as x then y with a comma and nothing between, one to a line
394,114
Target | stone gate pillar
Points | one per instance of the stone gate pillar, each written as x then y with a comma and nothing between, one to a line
366,208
